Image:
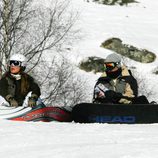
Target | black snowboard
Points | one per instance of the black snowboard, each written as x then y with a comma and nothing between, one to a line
116,113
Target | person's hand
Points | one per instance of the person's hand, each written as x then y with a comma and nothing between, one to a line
11,101
31,103
99,93
32,100
112,95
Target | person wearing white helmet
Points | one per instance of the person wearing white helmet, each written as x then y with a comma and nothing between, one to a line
116,84
16,84
18,59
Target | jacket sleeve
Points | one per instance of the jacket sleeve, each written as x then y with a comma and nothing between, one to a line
100,86
3,87
34,87
131,90
133,83
128,93
134,86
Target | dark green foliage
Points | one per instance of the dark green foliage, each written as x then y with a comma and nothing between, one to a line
140,55
94,64
114,2
156,72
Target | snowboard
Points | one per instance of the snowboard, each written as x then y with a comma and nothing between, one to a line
39,113
115,113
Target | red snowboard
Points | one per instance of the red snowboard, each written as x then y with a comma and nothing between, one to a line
45,114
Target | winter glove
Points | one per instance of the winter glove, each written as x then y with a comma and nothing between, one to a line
98,93
100,90
11,100
32,100
113,96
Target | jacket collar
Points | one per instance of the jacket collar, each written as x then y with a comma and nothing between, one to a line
125,72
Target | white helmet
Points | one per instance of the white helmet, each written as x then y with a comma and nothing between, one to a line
19,57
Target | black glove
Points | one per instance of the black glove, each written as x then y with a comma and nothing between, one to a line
11,100
32,100
113,96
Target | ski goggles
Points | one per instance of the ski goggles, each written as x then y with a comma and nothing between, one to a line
14,63
110,66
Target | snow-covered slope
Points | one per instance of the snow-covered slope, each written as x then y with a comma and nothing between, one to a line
136,25
65,140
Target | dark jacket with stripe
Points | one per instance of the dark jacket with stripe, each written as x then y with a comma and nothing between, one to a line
125,84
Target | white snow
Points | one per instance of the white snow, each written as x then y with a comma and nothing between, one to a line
70,140
136,25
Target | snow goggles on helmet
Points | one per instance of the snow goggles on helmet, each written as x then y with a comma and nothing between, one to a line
110,66
14,63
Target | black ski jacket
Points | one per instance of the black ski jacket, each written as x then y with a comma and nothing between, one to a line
125,84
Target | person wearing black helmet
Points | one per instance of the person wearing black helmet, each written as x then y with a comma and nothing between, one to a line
116,85
16,84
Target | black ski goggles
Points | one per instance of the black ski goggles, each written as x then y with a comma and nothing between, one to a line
110,66
14,63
